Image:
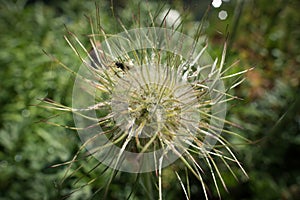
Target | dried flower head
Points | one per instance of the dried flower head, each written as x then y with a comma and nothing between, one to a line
147,97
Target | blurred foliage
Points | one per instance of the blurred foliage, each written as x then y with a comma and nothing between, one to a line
261,35
266,37
28,147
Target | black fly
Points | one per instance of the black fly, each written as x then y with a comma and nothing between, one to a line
121,66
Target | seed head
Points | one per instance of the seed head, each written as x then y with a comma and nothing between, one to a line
147,97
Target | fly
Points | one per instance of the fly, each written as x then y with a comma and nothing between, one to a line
122,66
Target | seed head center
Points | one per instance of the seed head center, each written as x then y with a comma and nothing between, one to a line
146,107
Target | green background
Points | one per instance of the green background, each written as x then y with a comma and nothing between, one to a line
262,34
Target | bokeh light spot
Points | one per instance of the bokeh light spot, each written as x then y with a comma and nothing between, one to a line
216,3
223,15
